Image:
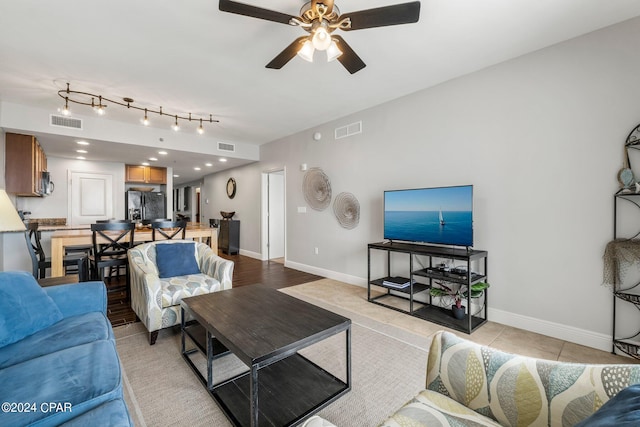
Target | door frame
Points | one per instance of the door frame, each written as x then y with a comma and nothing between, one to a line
264,217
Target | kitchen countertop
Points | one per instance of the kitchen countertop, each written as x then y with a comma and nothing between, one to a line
54,224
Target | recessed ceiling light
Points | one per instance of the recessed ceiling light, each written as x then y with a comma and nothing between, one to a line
208,164
82,151
153,159
196,168
82,143
176,176
223,159
145,163
164,153
80,158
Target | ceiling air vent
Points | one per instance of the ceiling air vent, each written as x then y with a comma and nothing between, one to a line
225,146
349,130
65,122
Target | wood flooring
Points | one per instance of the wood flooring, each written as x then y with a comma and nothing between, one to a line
246,271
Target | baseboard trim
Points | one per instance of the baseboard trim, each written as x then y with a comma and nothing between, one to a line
555,330
250,254
353,280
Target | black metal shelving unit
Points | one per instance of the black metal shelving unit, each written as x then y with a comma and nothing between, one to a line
626,293
629,293
426,309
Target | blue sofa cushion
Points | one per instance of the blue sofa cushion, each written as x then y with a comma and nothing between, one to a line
25,308
176,259
67,333
112,414
82,377
622,410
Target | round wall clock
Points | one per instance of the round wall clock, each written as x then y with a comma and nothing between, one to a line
231,188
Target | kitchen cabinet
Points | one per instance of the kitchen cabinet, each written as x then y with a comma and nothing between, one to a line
145,174
24,163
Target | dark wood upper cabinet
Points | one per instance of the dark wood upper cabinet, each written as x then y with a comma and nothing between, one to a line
24,163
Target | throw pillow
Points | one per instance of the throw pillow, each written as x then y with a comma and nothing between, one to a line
622,410
25,308
176,259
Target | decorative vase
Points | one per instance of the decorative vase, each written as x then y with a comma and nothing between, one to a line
458,313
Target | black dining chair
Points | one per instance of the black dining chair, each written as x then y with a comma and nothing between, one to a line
168,229
111,241
40,261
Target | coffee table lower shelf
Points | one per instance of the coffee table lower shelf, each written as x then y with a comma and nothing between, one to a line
289,390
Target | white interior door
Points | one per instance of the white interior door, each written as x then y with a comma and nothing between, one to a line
276,218
91,197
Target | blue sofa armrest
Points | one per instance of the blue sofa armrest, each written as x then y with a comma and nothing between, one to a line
79,298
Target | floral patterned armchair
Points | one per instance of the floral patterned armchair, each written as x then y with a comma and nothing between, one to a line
156,300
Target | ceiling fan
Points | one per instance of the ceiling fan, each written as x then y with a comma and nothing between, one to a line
320,18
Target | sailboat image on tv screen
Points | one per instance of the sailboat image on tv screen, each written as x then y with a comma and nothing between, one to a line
441,218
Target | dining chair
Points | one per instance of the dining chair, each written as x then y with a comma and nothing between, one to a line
168,229
40,261
111,241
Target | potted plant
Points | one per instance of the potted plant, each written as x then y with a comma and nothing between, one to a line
457,295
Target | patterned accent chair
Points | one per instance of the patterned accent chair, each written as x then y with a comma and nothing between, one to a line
473,385
156,300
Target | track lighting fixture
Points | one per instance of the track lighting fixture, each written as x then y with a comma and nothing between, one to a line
85,98
65,110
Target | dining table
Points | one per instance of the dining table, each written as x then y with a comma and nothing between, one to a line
61,239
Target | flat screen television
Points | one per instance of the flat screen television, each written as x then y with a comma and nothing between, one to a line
438,215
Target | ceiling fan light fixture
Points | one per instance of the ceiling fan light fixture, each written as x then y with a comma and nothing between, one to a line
306,51
333,51
321,38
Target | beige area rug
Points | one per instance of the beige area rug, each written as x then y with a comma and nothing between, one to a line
388,369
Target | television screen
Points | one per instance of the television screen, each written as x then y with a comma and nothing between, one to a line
442,215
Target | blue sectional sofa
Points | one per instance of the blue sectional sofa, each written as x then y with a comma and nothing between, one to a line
58,359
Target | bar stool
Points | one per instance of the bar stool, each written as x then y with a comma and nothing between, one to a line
168,229
111,241
39,260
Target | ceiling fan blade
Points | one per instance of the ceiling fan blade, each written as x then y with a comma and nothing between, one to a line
405,13
254,12
349,59
287,54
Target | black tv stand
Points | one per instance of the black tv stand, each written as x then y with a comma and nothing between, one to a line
419,281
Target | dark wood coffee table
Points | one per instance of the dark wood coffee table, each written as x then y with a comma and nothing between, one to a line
265,329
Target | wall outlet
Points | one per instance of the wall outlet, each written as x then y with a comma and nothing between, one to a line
302,209
315,251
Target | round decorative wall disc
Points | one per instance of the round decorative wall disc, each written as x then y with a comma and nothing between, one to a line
316,189
347,210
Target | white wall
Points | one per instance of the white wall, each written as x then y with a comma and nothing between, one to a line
541,139
246,203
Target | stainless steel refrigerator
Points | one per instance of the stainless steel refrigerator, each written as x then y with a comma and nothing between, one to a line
145,205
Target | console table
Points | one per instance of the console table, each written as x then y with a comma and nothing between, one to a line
229,237
414,281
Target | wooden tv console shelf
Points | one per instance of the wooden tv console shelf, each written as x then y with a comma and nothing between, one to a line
416,282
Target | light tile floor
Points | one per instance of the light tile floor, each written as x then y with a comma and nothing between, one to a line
506,338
